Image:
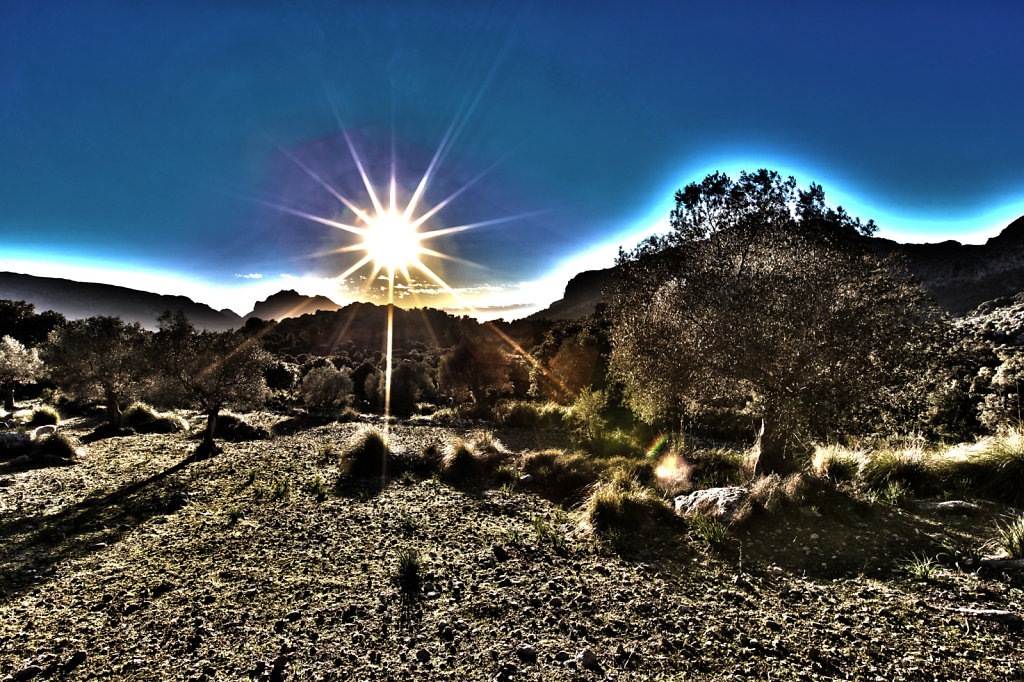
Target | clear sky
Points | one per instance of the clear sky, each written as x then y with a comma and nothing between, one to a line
161,145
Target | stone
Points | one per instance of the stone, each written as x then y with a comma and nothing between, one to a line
423,656
720,503
44,430
951,507
562,656
499,552
586,658
526,652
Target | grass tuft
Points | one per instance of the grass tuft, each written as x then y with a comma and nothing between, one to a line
1010,537
408,572
622,502
43,415
366,454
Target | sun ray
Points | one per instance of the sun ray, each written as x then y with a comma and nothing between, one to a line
447,200
363,175
360,263
326,185
471,226
315,218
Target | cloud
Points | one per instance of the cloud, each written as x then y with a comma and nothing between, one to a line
251,275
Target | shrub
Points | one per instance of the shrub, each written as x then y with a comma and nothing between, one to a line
1010,537
44,414
326,388
519,414
906,468
996,466
622,502
366,454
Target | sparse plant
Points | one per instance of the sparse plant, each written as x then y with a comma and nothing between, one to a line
921,567
59,444
408,572
235,514
408,524
895,494
508,488
281,489
317,488
709,529
407,478
43,415
1010,537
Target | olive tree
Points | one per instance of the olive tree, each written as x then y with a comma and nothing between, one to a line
18,364
211,370
762,291
100,356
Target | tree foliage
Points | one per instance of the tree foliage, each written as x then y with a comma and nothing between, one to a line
18,364
326,388
100,357
764,294
20,320
211,370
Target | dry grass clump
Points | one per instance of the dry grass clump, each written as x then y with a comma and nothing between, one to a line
463,459
836,464
366,454
622,502
994,466
58,444
520,414
144,419
773,492
43,415
564,474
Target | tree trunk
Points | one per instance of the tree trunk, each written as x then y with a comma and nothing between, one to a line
113,413
772,451
207,447
9,399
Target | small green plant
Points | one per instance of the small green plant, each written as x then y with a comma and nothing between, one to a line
43,415
282,489
408,572
921,567
250,478
547,534
325,451
512,537
1010,537
235,514
317,488
709,529
508,488
408,524
622,502
407,478
895,494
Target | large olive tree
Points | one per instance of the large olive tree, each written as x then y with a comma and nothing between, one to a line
761,290
211,370
100,356
18,364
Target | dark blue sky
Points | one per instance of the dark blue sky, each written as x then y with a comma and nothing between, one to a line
143,141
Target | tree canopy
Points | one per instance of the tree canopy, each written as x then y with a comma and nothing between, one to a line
763,293
18,364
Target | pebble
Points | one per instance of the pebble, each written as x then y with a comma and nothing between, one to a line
586,658
526,652
423,656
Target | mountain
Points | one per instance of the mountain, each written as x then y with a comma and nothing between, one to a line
290,303
76,300
958,276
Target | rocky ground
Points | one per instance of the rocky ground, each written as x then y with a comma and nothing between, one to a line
137,564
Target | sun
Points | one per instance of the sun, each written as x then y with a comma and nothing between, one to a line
392,242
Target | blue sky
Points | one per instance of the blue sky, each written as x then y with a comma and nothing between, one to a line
151,144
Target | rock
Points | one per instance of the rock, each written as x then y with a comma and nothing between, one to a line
499,552
996,615
15,440
721,503
294,616
423,656
27,673
526,652
562,656
586,658
950,507
44,430
77,659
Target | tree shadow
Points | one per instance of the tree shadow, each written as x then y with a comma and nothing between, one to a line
36,546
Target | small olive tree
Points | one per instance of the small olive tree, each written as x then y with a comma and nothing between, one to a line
211,370
18,364
763,291
100,356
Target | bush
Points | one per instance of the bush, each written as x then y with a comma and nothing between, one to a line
622,502
367,454
326,388
43,415
232,427
519,414
564,474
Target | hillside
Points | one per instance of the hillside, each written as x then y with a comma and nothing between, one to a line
958,276
290,303
262,564
76,300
